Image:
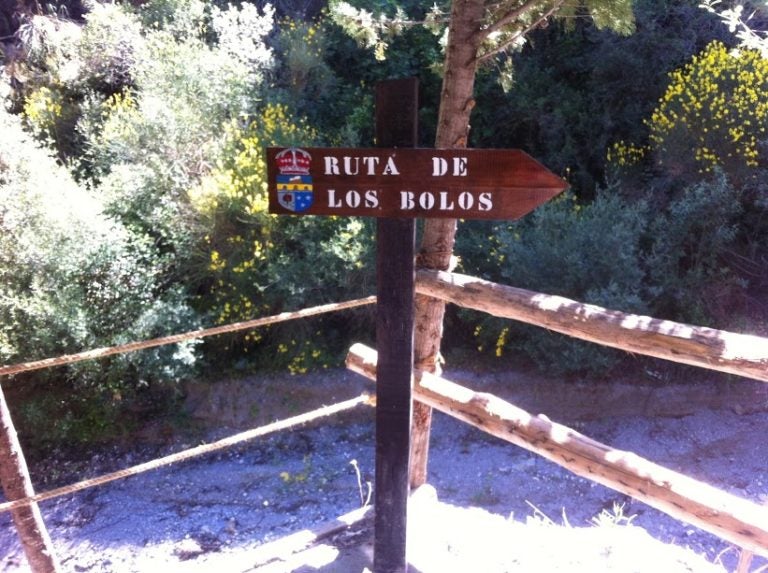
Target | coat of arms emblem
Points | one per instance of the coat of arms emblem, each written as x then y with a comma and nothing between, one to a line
294,182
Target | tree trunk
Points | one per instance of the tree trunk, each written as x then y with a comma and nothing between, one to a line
456,103
17,484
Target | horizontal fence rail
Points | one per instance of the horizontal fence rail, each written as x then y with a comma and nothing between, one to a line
14,475
734,353
729,517
195,452
176,338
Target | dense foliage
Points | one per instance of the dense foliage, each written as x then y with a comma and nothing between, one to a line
132,179
158,117
713,115
576,92
72,279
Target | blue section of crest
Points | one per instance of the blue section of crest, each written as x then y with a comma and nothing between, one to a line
303,201
294,192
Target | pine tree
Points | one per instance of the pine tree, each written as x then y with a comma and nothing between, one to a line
478,32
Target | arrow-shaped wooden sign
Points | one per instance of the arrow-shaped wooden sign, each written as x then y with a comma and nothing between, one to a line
449,183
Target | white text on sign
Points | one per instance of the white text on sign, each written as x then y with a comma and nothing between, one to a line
371,165
408,200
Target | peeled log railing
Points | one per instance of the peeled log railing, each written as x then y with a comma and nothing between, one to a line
742,354
730,517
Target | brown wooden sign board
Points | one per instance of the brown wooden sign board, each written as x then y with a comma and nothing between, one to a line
498,184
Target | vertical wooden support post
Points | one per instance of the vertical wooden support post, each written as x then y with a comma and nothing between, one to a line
396,113
17,484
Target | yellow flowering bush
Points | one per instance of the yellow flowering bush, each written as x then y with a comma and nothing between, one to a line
238,183
256,264
50,114
43,108
232,201
624,154
713,115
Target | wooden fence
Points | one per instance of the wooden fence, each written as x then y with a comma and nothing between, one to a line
732,518
741,354
22,501
737,520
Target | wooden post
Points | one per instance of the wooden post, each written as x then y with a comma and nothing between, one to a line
436,249
396,109
17,484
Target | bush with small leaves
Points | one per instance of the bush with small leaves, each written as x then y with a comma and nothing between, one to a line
713,116
588,252
692,242
72,279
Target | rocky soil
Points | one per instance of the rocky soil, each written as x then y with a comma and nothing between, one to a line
491,506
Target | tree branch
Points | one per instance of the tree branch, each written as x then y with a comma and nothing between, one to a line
488,55
507,17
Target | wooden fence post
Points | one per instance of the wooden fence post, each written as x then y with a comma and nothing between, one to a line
17,484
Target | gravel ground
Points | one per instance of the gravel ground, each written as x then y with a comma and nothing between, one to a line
497,503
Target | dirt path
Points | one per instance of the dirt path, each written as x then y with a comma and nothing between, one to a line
217,511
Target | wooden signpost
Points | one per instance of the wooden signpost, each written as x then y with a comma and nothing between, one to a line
397,184
395,291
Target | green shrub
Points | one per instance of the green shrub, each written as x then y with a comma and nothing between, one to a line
692,242
72,279
588,252
696,261
108,48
